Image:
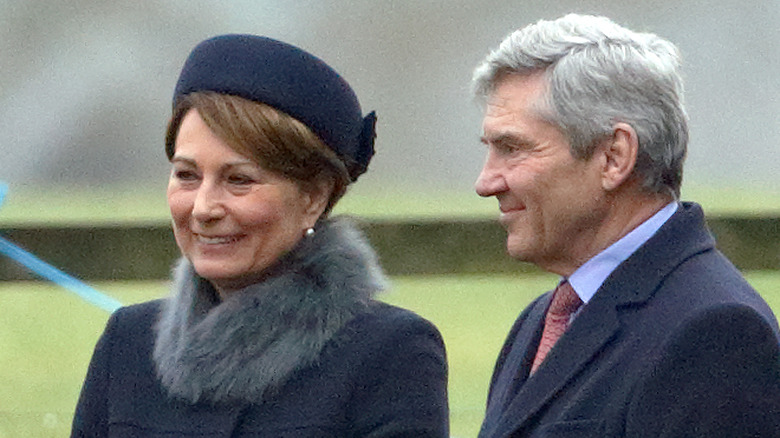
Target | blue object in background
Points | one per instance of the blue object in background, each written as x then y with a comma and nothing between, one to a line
49,272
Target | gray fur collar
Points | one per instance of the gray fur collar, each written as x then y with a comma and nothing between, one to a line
243,348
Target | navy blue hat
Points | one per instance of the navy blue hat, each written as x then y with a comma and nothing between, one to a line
289,79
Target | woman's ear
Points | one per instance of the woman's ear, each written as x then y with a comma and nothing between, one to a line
316,198
620,152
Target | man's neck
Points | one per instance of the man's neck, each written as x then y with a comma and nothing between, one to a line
624,213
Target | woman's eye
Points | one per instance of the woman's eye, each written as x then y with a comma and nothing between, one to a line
240,179
185,175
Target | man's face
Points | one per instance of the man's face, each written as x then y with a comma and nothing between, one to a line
551,203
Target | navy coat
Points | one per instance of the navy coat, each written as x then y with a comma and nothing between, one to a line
675,343
384,374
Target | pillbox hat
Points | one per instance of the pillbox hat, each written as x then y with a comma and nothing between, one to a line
289,79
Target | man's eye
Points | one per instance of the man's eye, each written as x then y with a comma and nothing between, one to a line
505,148
514,149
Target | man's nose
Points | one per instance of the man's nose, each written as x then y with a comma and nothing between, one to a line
490,181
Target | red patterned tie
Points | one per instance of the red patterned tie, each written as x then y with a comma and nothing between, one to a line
565,302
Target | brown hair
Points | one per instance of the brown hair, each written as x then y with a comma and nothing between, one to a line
274,140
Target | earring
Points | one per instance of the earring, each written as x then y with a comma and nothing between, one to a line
309,232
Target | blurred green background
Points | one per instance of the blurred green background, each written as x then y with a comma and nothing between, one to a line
119,204
47,333
47,336
85,95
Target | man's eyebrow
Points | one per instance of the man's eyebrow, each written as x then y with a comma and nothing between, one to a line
505,138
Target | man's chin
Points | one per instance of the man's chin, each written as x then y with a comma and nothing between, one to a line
518,252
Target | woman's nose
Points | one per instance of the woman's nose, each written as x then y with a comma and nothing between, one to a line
209,203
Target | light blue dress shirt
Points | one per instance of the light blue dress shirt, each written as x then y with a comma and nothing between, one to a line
589,277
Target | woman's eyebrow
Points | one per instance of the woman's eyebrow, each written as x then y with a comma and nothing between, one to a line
229,164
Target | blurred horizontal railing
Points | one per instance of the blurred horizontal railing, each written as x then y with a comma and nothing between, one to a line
146,251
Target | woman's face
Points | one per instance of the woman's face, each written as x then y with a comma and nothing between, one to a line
232,219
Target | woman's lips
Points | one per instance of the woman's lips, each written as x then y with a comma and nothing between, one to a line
216,239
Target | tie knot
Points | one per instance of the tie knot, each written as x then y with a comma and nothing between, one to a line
565,300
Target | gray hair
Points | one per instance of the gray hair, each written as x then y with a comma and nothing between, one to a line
600,73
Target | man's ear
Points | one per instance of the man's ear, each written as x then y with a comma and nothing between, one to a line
620,151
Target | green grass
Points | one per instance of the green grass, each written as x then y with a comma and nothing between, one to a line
47,335
372,200
123,204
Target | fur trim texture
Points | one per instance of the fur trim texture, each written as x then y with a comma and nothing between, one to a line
244,347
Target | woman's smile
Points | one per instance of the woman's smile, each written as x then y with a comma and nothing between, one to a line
231,218
217,240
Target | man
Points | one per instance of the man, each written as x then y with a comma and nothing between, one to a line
662,337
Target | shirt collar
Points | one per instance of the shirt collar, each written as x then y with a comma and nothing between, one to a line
589,277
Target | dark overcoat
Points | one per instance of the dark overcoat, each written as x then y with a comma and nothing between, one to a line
306,352
675,343
385,367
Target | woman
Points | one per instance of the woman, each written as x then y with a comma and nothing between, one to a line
271,328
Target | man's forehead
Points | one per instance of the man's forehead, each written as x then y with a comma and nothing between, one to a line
517,93
498,106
